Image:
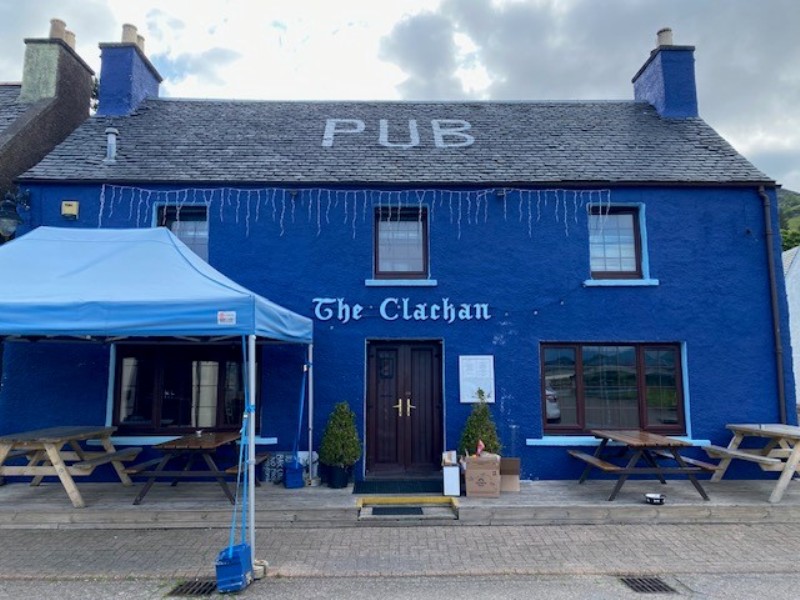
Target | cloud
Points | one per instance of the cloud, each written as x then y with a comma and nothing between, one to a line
203,66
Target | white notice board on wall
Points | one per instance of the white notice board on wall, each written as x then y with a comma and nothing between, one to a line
476,373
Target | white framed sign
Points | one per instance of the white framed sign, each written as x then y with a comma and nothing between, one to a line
476,378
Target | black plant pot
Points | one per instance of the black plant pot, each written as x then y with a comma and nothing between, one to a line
338,477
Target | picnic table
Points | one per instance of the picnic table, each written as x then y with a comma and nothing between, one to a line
780,453
648,451
188,447
47,456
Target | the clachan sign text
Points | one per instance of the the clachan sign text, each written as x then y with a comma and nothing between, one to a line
401,309
446,133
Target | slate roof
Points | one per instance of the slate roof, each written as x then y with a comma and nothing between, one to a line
168,140
10,108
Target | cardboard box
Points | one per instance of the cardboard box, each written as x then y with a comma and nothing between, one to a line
509,474
482,476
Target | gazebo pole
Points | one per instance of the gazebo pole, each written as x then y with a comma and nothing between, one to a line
310,411
251,442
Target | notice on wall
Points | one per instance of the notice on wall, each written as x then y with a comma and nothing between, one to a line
476,378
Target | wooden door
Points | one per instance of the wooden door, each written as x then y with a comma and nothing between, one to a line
404,408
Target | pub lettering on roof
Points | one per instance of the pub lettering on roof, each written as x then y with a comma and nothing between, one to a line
445,133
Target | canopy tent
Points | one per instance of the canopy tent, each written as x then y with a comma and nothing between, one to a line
120,283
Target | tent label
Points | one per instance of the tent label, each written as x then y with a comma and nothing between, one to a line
226,317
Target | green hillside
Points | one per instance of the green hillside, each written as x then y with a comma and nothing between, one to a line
789,216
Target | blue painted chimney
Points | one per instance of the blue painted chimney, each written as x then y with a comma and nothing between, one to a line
126,75
667,81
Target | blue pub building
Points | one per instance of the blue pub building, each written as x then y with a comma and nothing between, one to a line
591,264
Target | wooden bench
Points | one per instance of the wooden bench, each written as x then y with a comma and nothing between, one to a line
689,461
720,452
260,458
134,469
594,461
107,457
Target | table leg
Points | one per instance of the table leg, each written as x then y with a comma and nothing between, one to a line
186,469
38,456
118,466
648,458
597,454
691,476
786,475
63,474
725,462
212,466
159,467
624,476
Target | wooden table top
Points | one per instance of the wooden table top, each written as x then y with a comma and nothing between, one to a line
204,441
59,434
636,438
773,430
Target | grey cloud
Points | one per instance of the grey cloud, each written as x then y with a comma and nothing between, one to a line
203,65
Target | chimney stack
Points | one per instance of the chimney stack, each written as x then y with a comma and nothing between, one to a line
127,76
69,38
57,29
666,80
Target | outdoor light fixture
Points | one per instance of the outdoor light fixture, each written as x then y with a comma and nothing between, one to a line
9,214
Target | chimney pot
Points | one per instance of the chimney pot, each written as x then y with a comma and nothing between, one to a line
129,34
69,37
664,37
57,29
140,42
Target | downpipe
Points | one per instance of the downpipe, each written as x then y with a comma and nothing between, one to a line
773,291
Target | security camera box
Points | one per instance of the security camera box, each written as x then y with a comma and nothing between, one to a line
482,476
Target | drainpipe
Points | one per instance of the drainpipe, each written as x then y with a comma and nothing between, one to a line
773,291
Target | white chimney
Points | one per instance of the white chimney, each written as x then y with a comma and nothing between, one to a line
129,34
58,29
111,144
140,42
69,37
664,37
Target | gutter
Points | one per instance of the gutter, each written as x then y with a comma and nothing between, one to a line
773,292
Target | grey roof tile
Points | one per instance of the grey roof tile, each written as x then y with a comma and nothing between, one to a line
515,142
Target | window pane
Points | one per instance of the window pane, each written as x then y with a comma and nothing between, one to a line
189,224
561,400
176,397
205,374
136,392
234,394
612,241
400,246
662,386
609,379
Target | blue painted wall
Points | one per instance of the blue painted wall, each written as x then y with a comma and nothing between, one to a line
526,255
126,78
667,81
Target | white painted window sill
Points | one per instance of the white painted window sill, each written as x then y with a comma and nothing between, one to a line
620,282
401,282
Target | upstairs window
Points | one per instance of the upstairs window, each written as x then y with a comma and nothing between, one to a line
401,243
615,246
189,224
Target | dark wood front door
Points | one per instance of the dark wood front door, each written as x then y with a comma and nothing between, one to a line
404,408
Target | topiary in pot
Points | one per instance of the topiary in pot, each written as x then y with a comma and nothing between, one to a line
480,426
340,447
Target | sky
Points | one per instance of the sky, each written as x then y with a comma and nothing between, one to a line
747,53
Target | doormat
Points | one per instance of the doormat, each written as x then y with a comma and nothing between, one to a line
398,486
396,511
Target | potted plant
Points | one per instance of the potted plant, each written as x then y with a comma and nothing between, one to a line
340,447
480,426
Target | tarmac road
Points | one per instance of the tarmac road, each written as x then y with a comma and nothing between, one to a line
698,560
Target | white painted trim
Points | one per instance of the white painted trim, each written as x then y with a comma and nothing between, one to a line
401,282
588,440
620,282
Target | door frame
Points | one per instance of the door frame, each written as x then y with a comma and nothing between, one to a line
442,385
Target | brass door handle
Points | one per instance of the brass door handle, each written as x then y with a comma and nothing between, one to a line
399,407
409,406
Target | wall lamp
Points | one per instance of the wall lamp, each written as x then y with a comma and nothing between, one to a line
9,212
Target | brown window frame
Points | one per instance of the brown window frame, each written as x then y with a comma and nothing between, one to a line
637,273
415,213
679,428
160,354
